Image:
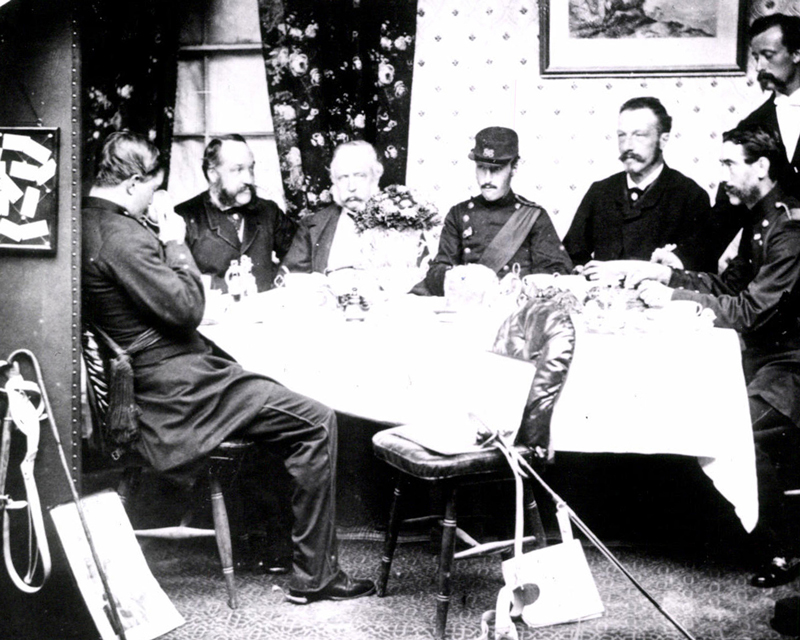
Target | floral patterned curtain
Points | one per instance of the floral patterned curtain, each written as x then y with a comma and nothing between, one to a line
337,70
129,70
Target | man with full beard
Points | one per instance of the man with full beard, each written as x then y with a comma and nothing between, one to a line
649,210
229,220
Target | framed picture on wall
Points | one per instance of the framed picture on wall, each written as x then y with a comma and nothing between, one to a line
28,190
642,37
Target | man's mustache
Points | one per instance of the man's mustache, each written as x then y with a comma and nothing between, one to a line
630,155
764,77
488,185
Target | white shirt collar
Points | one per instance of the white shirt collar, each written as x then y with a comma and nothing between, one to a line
792,100
647,181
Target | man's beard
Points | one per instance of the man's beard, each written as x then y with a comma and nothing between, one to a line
748,196
242,197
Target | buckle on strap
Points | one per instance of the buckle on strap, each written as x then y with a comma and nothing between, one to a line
22,414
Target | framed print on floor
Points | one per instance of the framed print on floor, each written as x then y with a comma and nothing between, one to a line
642,37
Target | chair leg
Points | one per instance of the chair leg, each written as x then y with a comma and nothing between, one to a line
533,517
390,542
446,560
223,535
128,484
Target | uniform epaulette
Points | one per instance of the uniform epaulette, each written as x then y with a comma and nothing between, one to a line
793,213
525,201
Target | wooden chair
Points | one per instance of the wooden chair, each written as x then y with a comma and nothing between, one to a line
450,472
221,467
542,332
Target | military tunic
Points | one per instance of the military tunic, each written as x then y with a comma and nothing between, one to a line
759,296
470,226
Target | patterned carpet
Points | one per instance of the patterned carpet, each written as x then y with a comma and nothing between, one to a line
709,598
661,535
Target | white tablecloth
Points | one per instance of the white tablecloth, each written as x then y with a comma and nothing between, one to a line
408,362
404,363
680,392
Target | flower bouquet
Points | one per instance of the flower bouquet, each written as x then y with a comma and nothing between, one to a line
393,224
399,208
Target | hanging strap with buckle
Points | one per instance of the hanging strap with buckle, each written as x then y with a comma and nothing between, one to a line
23,415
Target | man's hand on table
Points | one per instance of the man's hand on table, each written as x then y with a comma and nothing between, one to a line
655,294
630,273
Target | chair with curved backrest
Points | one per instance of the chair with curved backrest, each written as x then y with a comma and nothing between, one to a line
221,464
540,331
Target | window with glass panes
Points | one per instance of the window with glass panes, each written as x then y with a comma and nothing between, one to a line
222,88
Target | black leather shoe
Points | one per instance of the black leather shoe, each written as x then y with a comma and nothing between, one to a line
343,587
779,571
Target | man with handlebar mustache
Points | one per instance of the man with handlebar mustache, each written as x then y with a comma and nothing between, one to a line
229,220
649,210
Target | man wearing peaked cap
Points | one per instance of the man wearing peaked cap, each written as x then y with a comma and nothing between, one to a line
498,228
495,145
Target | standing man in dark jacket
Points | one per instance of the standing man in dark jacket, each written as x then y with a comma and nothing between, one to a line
641,210
136,280
498,229
758,295
230,221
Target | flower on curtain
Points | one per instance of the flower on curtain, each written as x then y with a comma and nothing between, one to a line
337,70
129,67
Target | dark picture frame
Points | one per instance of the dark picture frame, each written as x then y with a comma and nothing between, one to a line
620,38
29,190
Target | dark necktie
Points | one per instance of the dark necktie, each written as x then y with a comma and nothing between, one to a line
634,194
237,223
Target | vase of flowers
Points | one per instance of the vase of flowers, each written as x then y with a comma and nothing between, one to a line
393,224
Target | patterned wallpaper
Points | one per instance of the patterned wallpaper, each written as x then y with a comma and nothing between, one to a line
477,64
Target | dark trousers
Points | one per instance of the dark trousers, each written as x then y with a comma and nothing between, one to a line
303,433
777,446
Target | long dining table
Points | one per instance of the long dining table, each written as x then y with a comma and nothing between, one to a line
409,360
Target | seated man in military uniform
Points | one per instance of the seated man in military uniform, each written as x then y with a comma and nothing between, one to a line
497,229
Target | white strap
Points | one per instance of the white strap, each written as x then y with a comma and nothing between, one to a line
509,598
504,627
26,418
